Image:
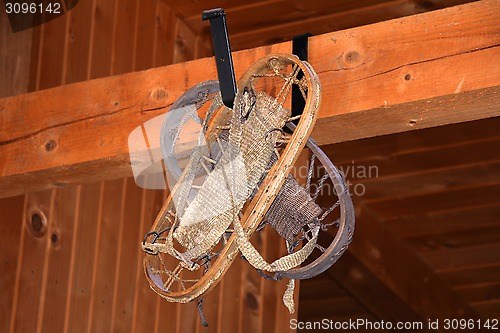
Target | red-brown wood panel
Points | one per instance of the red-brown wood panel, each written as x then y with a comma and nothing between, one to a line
31,273
203,48
211,308
443,200
81,29
102,38
61,261
15,55
230,298
476,237
446,260
81,282
446,221
185,42
11,229
34,67
251,287
473,275
52,53
145,300
166,312
269,291
164,35
409,163
480,292
416,141
377,185
490,310
105,256
125,285
123,37
145,35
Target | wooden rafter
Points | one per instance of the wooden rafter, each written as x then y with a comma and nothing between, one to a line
404,272
370,290
416,72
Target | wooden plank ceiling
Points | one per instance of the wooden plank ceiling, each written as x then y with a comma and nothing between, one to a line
438,192
265,22
425,76
435,194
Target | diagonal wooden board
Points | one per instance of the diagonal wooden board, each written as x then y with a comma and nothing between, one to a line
401,271
415,72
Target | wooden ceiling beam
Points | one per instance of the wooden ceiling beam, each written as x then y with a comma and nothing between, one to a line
280,20
415,72
351,276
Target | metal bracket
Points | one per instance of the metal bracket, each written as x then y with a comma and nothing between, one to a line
300,46
222,50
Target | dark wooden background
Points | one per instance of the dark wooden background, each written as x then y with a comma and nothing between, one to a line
430,218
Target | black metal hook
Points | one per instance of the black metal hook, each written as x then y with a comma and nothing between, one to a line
222,50
300,49
156,235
